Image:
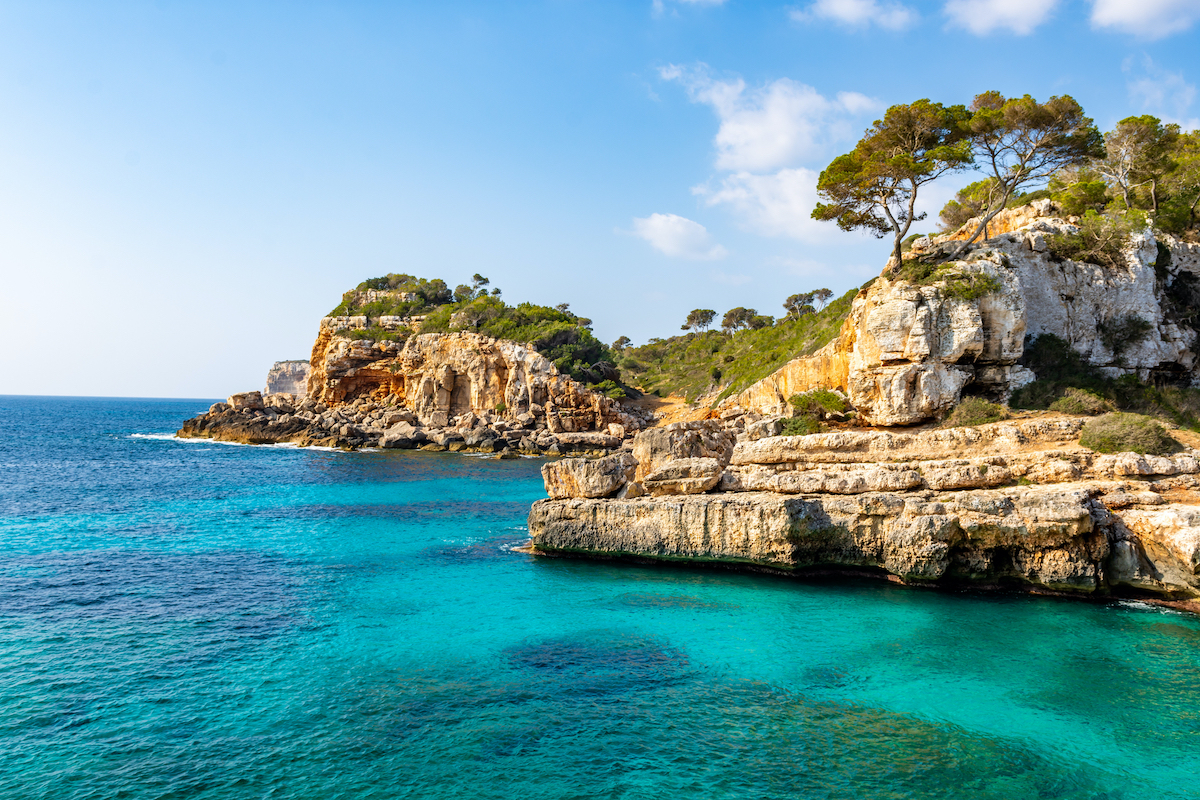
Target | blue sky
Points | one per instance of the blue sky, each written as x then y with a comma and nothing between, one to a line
187,187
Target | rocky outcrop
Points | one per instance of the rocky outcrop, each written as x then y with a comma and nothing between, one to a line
440,376
373,383
288,377
1014,504
907,352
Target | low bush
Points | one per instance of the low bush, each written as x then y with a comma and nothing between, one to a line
975,411
800,426
819,403
375,334
1100,239
1082,403
1123,433
1121,333
956,282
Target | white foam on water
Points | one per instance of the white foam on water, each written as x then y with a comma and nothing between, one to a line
1138,605
170,437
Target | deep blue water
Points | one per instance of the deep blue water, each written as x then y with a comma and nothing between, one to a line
198,620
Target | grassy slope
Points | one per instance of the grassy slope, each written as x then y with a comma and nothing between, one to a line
683,365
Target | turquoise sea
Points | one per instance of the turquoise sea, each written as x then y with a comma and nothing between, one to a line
200,620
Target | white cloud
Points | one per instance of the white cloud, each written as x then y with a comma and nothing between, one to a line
1165,94
982,17
678,237
858,13
778,204
1150,19
777,125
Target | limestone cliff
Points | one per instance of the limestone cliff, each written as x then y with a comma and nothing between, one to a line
1016,504
908,351
399,389
440,376
288,377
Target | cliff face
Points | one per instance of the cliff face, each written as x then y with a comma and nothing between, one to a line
440,376
437,391
907,352
288,377
1015,504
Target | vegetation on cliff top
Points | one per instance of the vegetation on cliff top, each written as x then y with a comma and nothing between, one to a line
561,336
735,357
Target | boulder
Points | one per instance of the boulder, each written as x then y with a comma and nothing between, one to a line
683,476
246,401
655,447
589,478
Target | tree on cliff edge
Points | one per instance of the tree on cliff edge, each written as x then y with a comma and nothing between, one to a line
1018,142
874,187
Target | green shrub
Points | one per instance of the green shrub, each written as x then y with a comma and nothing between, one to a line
375,334
1122,433
1081,402
611,389
1119,334
956,282
819,403
800,426
975,411
1100,239
1060,369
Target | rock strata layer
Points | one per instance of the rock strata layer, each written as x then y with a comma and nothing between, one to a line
1015,504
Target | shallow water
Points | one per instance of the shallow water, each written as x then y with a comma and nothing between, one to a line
197,620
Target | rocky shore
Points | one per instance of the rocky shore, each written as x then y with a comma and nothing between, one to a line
1014,505
889,491
251,418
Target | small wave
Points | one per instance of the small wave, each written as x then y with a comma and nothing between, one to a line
1138,605
170,437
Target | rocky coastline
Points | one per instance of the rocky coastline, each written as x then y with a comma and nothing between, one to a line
1018,505
885,490
1014,505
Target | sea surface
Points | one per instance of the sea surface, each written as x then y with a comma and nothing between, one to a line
183,619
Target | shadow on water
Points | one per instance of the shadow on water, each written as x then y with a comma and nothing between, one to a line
613,714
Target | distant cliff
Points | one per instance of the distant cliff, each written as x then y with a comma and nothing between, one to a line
382,380
288,377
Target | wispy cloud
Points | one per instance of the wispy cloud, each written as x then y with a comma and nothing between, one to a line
767,139
1149,19
857,13
775,204
982,17
678,237
776,125
1167,95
